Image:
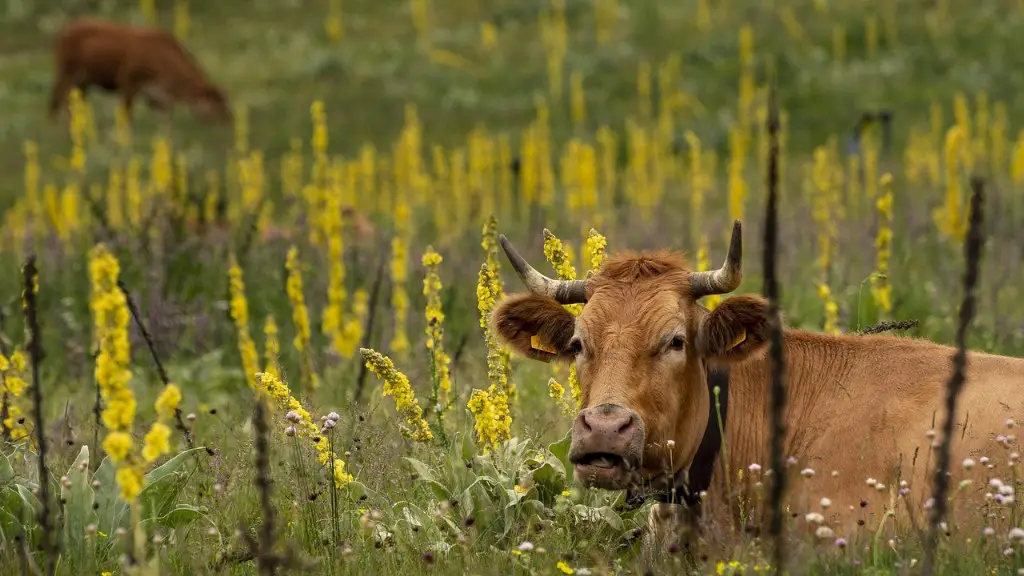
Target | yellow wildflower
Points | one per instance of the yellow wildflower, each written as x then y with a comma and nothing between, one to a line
18,360
881,290
157,442
129,479
168,402
597,249
117,445
271,349
240,313
300,319
397,386
564,568
435,325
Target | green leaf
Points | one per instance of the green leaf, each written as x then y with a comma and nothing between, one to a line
164,484
427,476
110,509
6,469
560,450
181,515
78,498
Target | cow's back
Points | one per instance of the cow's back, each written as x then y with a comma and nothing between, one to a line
93,50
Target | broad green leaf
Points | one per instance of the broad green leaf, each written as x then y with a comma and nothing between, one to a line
560,450
164,484
78,498
6,469
110,509
181,515
427,476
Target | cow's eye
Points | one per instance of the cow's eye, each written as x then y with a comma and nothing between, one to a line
575,346
677,343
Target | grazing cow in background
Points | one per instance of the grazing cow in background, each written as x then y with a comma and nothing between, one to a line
649,359
133,61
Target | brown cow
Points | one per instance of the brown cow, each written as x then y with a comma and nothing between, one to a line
134,61
649,356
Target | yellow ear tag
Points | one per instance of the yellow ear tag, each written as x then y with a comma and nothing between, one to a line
739,340
536,344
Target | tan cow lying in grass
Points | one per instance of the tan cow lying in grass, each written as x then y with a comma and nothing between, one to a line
858,415
133,61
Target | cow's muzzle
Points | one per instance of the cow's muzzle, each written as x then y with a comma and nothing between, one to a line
607,446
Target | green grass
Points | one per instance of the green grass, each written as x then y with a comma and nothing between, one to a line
275,59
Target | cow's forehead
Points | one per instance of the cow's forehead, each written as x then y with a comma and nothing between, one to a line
643,308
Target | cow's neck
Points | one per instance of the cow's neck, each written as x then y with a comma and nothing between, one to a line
816,368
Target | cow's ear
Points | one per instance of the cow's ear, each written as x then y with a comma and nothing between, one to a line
734,330
535,326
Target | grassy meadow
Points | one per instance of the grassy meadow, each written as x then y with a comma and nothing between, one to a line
334,251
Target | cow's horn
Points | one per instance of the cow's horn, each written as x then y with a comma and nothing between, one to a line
563,291
725,279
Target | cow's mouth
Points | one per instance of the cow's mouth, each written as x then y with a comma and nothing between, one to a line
602,470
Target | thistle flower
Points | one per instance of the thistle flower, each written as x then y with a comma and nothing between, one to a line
397,386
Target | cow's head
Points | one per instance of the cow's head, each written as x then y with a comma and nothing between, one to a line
212,105
641,345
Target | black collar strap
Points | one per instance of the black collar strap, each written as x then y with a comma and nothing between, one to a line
703,465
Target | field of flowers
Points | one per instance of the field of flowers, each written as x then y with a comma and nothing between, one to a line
264,347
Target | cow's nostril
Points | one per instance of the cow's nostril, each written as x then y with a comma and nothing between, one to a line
627,424
583,420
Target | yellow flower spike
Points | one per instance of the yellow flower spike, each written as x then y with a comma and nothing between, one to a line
300,319
399,296
881,289
271,349
157,442
168,402
129,480
117,445
435,327
240,313
596,247
397,386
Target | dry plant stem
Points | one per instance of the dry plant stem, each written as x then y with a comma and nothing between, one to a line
889,325
368,332
35,349
771,291
264,550
972,254
179,423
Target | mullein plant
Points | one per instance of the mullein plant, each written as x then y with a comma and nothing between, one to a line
300,319
240,314
559,258
12,390
881,289
492,420
440,362
396,385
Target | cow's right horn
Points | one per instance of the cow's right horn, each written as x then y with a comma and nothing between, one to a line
563,291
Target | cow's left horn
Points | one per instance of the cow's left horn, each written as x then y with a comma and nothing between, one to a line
725,279
563,291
